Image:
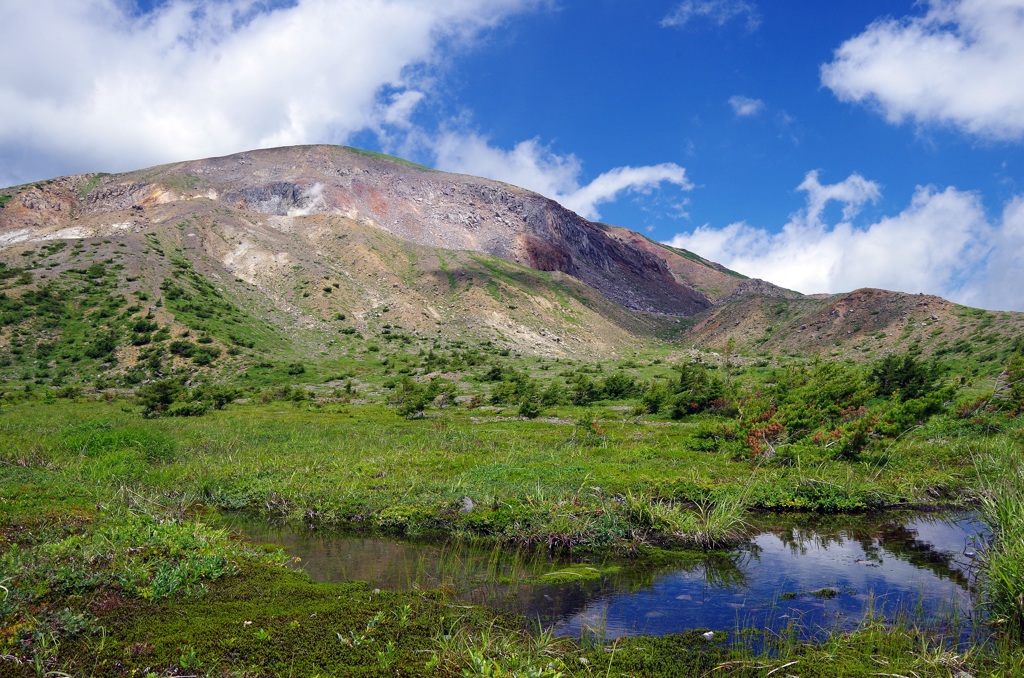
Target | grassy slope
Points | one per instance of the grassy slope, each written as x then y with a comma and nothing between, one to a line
141,292
863,325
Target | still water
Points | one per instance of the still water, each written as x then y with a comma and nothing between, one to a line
810,574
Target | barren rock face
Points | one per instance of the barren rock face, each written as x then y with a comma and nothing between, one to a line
426,207
450,211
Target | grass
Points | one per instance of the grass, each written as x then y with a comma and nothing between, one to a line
91,184
391,158
262,619
705,524
106,566
1002,508
182,183
532,482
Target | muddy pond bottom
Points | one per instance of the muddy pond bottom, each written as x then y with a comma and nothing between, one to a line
810,574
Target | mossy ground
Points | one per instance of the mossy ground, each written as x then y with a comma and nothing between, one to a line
275,622
268,621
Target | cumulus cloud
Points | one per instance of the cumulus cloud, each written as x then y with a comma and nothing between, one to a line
999,282
942,243
608,186
400,107
745,107
959,63
532,165
718,12
97,86
853,193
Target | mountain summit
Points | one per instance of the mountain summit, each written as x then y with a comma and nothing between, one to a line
413,203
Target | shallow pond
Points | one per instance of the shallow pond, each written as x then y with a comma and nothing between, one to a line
813,574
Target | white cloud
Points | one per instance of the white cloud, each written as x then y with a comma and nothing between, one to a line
718,12
95,87
999,283
745,107
534,166
853,192
942,243
400,107
959,63
608,186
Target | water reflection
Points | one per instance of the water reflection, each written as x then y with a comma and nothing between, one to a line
814,573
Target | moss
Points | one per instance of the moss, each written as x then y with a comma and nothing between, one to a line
577,573
39,508
682,654
270,621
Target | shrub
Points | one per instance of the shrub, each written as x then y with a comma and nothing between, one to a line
158,396
528,409
216,396
187,408
514,387
103,346
411,398
654,397
905,374
69,392
143,325
186,349
696,389
205,355
619,385
553,395
583,390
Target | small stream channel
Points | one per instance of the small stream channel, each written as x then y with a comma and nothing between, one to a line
814,573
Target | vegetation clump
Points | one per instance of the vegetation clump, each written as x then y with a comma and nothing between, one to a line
171,397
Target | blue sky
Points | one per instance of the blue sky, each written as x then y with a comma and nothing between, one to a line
821,146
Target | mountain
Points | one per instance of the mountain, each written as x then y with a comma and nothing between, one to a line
323,252
412,203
